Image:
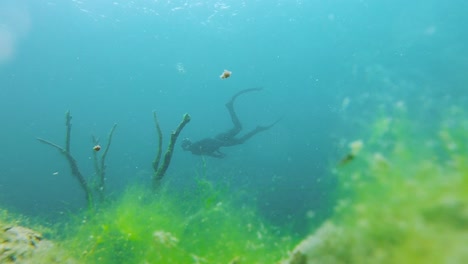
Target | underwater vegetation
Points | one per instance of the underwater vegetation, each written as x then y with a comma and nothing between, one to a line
402,199
143,227
96,187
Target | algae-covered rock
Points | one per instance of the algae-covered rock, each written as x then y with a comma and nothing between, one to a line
19,243
22,245
313,248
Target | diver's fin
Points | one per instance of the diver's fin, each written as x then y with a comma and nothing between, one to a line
233,98
270,125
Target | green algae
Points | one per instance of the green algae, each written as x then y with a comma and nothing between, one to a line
403,199
143,227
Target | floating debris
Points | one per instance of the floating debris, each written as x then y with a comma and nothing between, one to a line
226,74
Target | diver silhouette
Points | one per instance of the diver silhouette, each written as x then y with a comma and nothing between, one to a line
210,146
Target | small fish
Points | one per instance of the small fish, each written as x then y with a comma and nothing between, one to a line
226,74
55,173
97,148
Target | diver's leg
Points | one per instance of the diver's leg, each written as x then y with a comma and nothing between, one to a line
241,140
230,107
231,133
233,98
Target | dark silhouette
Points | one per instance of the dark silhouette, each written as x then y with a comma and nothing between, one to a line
210,146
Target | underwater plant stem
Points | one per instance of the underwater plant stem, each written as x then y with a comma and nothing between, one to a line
97,169
102,168
96,186
106,150
73,166
52,144
160,138
68,124
161,170
100,164
71,161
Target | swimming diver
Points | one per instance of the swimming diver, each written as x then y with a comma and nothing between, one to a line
210,146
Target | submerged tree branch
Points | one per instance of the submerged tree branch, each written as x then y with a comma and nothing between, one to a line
71,161
100,164
160,139
161,170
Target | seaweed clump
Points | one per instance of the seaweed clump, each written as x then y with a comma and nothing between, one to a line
403,199
144,227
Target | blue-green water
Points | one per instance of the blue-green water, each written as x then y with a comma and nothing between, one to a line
117,61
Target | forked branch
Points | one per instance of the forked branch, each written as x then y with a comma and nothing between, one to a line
160,169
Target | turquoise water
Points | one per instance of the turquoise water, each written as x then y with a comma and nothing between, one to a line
325,66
